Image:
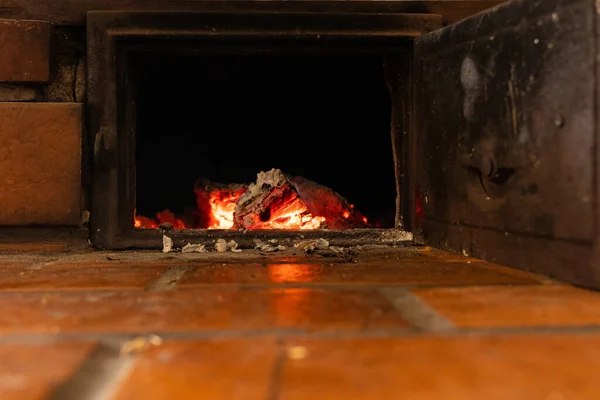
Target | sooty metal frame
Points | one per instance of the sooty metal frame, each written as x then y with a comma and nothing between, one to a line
113,37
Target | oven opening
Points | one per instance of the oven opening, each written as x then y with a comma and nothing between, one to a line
262,141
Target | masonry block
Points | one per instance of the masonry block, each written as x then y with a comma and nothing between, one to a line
40,163
24,51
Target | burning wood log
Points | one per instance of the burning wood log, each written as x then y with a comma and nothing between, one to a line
322,201
272,202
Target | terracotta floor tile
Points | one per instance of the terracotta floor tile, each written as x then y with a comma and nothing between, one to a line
12,262
515,306
7,266
219,369
52,277
30,371
41,247
516,273
367,273
444,368
197,310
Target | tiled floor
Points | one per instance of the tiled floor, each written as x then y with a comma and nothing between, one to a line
405,323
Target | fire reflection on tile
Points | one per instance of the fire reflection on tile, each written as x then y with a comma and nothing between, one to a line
293,273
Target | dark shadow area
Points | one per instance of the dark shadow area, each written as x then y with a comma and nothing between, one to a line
226,118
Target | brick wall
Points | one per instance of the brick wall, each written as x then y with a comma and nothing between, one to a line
40,127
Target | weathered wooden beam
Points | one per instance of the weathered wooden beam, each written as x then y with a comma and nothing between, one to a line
73,12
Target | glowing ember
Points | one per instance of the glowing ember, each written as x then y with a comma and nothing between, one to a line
215,204
324,202
274,201
161,217
293,216
144,222
167,216
222,206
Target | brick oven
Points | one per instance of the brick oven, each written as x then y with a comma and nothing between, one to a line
474,135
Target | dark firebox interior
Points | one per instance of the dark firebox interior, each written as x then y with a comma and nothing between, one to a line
225,118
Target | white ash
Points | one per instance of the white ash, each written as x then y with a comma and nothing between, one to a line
273,178
194,248
221,246
167,244
321,244
233,246
393,236
311,245
339,250
266,247
279,247
305,245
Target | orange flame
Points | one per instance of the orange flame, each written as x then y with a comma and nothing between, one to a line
222,206
168,216
161,217
144,222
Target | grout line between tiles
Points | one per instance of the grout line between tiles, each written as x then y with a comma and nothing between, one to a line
284,334
193,335
270,286
98,378
416,311
352,286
